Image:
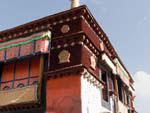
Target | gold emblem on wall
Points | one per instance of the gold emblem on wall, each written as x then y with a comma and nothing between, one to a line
65,29
64,56
93,62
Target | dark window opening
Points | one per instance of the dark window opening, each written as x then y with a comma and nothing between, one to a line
104,76
123,92
105,89
129,111
120,86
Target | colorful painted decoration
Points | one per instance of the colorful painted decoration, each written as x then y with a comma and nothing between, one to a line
21,47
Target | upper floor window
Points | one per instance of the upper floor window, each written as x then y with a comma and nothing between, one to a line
105,93
120,89
123,92
105,76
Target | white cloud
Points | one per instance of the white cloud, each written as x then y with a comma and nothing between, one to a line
142,87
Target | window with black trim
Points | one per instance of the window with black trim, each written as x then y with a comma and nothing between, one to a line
120,89
104,76
105,89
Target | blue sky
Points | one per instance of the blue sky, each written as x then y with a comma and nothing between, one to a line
126,22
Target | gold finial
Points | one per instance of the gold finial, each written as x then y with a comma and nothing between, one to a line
74,3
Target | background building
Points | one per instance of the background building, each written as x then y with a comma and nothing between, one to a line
63,63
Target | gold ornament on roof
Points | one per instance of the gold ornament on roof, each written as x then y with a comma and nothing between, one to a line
74,3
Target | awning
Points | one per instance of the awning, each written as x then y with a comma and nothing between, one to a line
38,43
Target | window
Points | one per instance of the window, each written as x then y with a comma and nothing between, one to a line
20,73
125,95
105,89
120,90
129,111
129,101
111,85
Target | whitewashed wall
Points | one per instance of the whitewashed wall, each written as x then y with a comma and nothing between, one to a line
122,108
91,97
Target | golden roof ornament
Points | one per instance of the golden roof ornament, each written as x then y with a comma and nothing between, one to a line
74,3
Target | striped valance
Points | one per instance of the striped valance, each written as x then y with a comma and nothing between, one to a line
21,47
